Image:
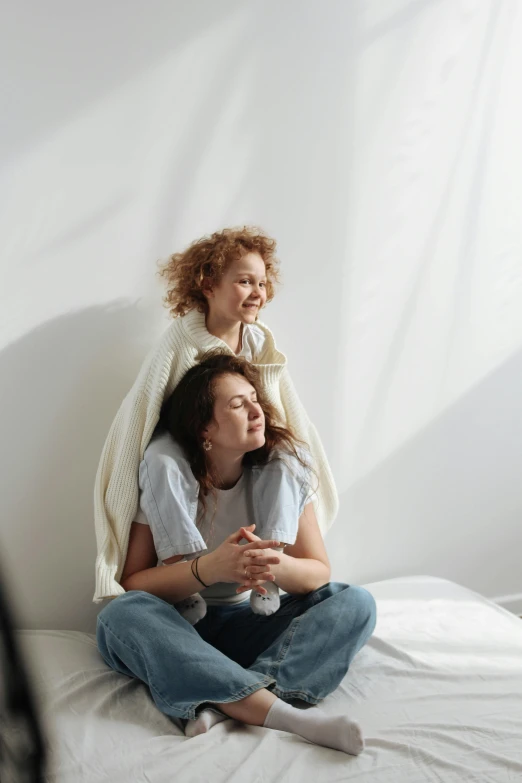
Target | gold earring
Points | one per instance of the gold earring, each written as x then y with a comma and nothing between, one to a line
207,444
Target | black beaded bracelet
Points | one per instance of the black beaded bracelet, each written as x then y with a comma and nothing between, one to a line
195,573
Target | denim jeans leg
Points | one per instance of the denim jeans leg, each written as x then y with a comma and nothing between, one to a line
145,637
309,660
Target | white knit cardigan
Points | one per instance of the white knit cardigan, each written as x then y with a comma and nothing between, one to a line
116,489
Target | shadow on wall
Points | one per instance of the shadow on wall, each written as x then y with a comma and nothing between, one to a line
448,503
61,385
142,39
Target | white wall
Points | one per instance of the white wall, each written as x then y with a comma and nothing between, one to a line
379,142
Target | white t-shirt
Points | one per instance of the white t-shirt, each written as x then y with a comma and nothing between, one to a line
252,342
226,511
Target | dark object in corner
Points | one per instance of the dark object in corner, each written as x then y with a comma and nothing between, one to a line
22,749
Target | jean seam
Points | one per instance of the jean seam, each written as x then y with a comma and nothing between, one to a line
287,642
125,644
303,695
242,694
315,597
285,646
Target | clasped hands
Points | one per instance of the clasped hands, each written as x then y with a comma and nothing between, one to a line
248,564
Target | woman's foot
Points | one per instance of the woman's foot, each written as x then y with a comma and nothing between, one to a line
263,708
337,731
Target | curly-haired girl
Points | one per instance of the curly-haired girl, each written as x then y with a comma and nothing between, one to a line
215,290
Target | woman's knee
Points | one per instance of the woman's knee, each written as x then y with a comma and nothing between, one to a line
127,621
365,606
357,600
118,615
125,607
132,615
361,612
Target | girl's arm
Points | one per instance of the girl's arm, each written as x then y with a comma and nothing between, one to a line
304,566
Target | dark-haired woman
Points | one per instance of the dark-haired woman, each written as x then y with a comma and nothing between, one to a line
232,662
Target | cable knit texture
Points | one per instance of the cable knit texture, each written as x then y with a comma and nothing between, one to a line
116,490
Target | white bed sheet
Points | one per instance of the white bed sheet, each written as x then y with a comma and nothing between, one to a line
438,692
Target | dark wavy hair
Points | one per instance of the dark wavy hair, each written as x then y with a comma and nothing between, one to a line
190,408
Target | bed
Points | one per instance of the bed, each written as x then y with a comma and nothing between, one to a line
438,692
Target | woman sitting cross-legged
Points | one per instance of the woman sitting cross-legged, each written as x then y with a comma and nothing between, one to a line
232,662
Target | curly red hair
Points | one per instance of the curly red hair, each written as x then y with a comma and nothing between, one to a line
204,262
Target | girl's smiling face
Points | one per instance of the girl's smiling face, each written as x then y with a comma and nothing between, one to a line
241,292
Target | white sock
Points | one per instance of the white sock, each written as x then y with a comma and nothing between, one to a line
338,731
193,608
203,723
265,604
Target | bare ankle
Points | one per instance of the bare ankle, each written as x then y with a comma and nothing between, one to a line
252,709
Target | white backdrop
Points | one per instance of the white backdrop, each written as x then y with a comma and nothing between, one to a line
379,141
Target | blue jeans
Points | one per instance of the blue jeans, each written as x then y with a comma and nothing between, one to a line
302,651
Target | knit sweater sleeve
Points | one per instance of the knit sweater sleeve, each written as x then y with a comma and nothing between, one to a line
116,485
116,488
326,500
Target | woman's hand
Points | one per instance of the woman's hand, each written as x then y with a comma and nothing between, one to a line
246,563
304,565
254,555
